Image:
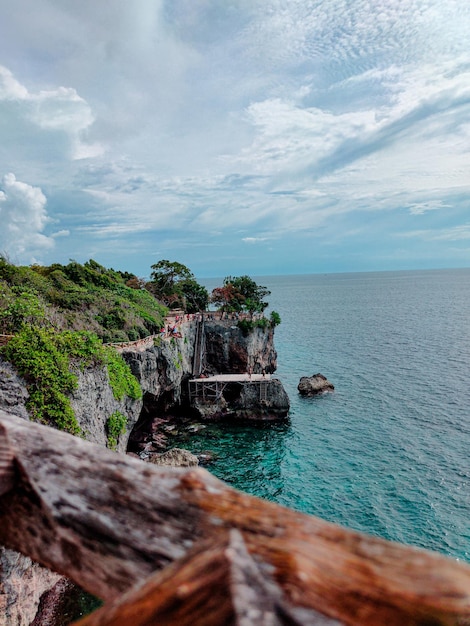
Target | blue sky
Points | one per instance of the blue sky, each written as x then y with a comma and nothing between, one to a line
236,136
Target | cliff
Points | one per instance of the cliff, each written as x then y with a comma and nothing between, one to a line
164,371
229,350
163,367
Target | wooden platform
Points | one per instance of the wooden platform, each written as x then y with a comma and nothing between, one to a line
233,378
212,387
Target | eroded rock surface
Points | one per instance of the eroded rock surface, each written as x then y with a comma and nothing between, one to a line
176,457
314,385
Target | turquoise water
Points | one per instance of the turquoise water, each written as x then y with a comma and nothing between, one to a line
388,452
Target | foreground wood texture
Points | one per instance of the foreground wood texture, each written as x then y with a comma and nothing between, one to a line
110,522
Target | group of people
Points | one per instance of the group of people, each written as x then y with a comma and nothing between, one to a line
170,331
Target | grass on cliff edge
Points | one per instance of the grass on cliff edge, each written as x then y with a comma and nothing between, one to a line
47,360
112,304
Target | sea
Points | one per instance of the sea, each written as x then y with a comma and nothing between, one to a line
387,453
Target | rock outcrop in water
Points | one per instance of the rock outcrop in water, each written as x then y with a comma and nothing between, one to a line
314,385
176,457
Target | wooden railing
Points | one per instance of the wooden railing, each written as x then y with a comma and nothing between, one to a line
110,523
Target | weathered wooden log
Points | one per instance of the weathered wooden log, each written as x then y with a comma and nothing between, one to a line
109,521
217,583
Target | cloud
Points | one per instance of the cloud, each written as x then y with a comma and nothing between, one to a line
420,208
23,216
55,113
289,119
454,233
253,240
60,233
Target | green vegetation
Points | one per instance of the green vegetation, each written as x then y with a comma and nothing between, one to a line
240,294
113,305
121,379
175,285
115,426
40,357
60,316
247,325
275,319
47,360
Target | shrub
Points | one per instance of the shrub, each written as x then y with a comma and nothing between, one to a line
263,323
275,319
115,426
40,358
21,307
122,381
246,326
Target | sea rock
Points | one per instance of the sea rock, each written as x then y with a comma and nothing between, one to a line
313,385
176,457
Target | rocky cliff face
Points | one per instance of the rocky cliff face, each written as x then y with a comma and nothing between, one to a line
93,402
22,582
162,369
228,350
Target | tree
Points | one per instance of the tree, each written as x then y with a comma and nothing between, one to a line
174,284
275,318
241,293
165,281
227,298
196,296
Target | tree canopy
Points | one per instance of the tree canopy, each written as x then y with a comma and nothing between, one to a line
240,293
176,286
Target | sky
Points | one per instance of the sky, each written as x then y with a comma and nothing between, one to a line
237,137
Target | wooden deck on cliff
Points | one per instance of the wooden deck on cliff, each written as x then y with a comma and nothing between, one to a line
212,387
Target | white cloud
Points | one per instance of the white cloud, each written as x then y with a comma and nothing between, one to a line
219,120
10,88
420,208
253,240
60,233
23,216
59,110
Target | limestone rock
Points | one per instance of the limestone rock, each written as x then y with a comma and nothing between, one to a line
314,385
21,587
176,457
249,405
93,402
13,392
228,351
